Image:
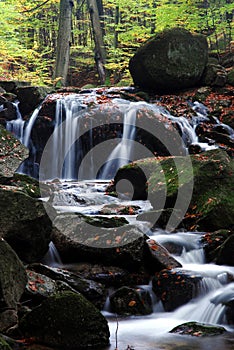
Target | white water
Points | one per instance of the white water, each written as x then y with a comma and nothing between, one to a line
214,288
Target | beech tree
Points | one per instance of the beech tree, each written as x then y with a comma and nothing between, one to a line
64,40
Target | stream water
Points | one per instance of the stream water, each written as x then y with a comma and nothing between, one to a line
148,332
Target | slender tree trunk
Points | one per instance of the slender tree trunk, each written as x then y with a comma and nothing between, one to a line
63,42
100,52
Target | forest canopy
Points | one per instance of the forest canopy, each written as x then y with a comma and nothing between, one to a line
29,33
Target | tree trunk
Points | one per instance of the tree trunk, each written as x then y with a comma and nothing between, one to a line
100,53
63,43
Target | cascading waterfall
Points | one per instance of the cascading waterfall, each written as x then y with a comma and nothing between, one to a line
122,153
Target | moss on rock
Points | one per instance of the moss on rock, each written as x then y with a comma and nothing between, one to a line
67,321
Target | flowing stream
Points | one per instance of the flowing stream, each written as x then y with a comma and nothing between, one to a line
148,332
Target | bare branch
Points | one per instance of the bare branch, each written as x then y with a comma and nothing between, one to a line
36,7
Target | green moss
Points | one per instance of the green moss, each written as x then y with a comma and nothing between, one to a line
67,321
198,329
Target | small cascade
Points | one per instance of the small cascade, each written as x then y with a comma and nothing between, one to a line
16,126
52,257
28,129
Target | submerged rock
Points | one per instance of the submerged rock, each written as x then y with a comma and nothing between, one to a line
198,329
131,301
66,321
173,59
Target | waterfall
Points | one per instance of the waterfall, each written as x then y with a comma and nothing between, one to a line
122,153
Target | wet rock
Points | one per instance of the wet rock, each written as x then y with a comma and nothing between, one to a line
230,312
66,321
212,241
159,258
225,252
175,287
198,329
130,301
12,153
25,224
100,221
111,276
61,279
30,97
117,209
171,60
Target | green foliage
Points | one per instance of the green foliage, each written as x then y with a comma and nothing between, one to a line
28,33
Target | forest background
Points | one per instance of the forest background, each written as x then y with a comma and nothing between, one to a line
31,30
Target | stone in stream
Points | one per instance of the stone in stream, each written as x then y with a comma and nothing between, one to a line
125,246
175,287
171,60
131,301
198,329
68,321
13,279
47,281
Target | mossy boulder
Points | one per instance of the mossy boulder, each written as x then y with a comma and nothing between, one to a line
198,189
25,224
60,279
13,280
198,329
67,321
173,59
13,277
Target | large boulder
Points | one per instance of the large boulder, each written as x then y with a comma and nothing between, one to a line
171,60
13,279
66,321
198,189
